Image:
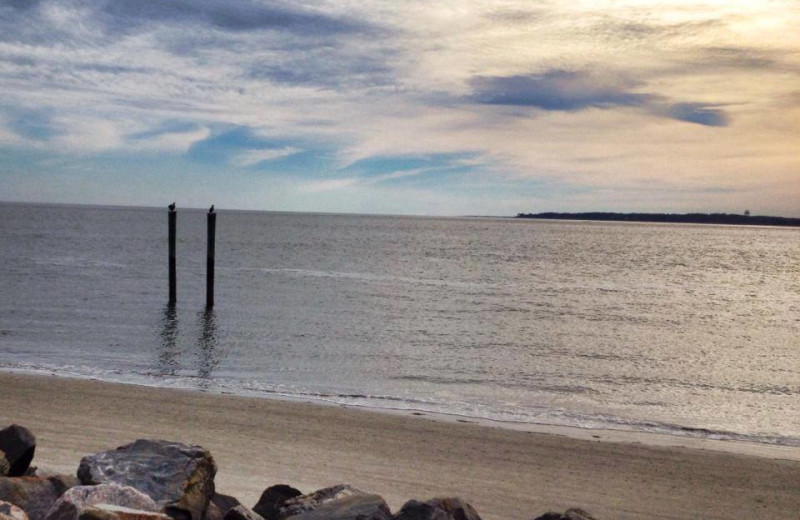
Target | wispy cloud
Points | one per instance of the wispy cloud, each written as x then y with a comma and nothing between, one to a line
327,95
253,157
242,15
349,182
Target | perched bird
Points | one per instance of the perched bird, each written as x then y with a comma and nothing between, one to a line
171,207
211,209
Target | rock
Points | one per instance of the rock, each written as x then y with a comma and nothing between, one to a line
213,512
570,514
242,513
356,507
272,499
437,509
76,500
11,512
219,505
35,495
311,501
180,478
224,502
5,466
62,482
18,445
109,512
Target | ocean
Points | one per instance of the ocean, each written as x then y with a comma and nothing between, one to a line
687,330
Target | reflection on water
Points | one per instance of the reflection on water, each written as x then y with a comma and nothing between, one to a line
562,322
168,356
207,346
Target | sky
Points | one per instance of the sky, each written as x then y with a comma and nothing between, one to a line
447,107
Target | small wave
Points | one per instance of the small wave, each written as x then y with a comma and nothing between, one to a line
69,261
518,416
367,277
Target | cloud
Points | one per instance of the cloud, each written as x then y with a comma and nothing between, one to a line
327,67
741,57
253,157
364,94
86,134
556,90
570,91
701,114
408,170
242,15
350,182
170,140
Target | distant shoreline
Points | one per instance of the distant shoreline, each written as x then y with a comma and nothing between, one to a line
687,218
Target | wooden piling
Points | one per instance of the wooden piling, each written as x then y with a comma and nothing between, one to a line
173,284
212,232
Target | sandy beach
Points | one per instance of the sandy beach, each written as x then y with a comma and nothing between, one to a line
505,474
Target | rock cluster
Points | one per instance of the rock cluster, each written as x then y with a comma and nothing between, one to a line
163,480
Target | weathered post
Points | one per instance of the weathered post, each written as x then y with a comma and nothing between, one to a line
173,284
212,233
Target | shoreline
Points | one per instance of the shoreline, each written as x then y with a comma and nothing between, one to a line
505,474
669,440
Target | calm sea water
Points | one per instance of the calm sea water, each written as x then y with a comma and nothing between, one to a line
690,330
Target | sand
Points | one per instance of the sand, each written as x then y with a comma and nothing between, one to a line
505,474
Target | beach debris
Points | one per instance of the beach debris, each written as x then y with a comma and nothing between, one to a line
9,511
34,495
437,509
179,477
219,505
18,445
273,498
570,514
112,512
76,500
241,512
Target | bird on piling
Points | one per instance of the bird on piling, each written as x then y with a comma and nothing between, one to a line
211,209
171,207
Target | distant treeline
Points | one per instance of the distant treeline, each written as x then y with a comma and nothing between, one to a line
688,218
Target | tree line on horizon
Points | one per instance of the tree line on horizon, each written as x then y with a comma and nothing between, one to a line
686,218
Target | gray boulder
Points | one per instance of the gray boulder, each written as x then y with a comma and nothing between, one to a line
9,511
76,500
569,514
179,477
242,513
18,445
355,507
273,498
35,495
437,509
303,503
